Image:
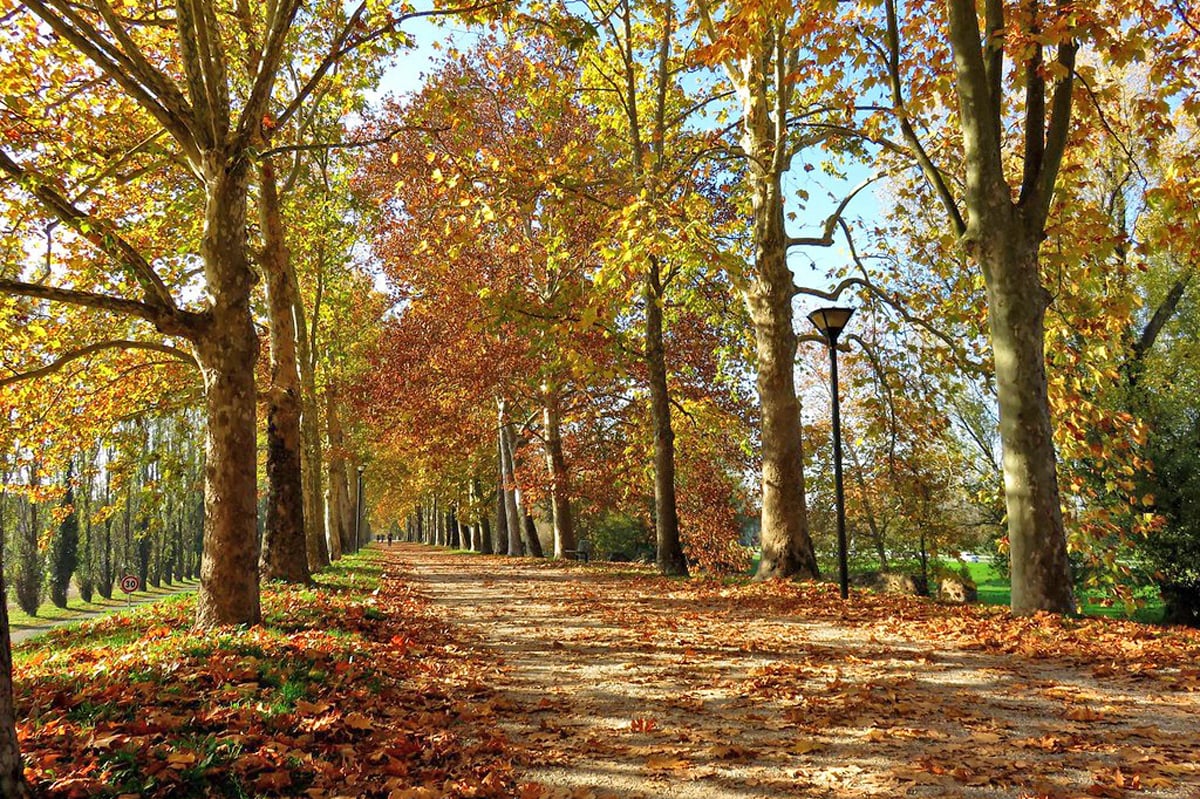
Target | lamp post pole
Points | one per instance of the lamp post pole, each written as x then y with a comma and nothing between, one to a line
831,322
358,511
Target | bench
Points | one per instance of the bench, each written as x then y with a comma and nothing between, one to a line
582,551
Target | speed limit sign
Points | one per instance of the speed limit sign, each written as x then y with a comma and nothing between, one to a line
130,583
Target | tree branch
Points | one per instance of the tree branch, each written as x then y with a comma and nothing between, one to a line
826,237
175,323
932,173
116,344
151,90
384,139
98,232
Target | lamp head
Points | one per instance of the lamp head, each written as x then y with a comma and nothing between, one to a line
361,468
831,321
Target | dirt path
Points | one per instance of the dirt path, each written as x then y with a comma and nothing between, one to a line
630,686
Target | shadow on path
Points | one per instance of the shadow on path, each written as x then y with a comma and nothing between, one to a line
620,687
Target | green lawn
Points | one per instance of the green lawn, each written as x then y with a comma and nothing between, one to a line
994,589
77,609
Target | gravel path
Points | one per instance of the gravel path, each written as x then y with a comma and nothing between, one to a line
619,685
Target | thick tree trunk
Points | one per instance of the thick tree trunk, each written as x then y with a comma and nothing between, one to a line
311,457
1041,572
669,549
787,549
284,551
560,478
227,350
508,485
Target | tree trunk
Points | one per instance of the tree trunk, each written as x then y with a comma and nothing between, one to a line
501,543
284,551
227,351
12,771
486,547
1017,302
787,549
508,485
450,521
560,478
341,513
669,558
311,457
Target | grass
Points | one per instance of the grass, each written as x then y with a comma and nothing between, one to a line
181,702
994,589
77,609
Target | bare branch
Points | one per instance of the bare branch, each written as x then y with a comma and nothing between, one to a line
826,237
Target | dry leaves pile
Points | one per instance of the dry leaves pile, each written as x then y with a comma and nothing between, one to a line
342,692
620,684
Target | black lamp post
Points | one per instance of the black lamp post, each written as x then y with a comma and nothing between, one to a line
831,322
359,509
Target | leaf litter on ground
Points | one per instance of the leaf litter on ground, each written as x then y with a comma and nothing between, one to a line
418,674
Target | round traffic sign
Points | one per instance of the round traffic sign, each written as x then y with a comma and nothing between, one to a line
130,583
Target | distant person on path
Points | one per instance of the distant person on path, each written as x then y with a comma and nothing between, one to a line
389,538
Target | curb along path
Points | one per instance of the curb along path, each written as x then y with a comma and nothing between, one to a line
619,684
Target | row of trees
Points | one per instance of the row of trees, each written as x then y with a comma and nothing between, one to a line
569,214
131,506
162,164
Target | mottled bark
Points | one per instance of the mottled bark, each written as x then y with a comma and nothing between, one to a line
1004,237
227,351
284,551
560,477
508,484
1041,571
766,101
787,549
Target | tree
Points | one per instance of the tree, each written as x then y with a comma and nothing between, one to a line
12,771
786,101
64,547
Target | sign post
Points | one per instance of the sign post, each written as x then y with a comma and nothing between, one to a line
129,584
